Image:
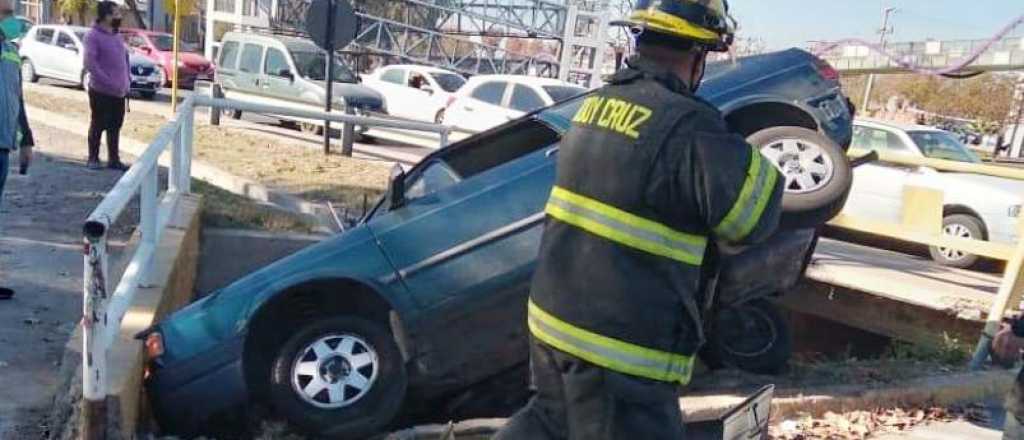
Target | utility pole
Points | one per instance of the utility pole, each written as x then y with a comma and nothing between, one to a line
885,31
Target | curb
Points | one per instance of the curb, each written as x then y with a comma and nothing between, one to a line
242,186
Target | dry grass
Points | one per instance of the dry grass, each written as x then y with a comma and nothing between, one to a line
289,166
223,209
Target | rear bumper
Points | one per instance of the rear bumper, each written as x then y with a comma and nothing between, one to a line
186,394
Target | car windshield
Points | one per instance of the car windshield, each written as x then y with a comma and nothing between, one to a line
165,43
561,93
942,145
313,65
450,82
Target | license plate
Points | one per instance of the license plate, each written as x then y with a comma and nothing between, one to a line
834,108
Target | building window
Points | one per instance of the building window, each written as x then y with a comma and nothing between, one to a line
224,6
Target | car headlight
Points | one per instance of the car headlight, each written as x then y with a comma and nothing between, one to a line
1014,211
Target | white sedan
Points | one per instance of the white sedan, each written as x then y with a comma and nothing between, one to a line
975,206
415,92
490,100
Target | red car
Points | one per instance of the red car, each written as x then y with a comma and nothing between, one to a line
159,48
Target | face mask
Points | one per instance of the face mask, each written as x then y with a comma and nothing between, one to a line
115,23
12,28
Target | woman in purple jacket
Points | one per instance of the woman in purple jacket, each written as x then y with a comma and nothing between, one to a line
106,61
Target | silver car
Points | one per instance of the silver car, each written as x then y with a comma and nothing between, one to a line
975,206
58,52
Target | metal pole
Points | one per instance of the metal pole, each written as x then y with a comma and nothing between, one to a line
885,31
94,329
174,74
330,75
1016,127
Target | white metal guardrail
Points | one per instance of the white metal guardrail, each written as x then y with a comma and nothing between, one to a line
103,309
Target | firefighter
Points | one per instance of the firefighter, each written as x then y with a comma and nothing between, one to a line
649,176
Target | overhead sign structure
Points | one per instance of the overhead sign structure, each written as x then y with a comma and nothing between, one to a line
331,34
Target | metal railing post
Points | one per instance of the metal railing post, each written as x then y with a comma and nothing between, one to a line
174,176
94,329
348,134
148,220
445,133
187,137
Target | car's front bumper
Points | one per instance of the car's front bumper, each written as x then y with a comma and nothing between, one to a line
186,394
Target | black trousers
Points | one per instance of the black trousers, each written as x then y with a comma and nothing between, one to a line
580,401
107,116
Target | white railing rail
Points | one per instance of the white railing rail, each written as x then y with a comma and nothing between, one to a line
103,311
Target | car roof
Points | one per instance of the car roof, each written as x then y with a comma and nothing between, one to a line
291,43
521,79
64,27
878,123
420,67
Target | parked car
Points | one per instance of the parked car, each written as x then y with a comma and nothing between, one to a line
158,47
975,206
425,298
58,52
487,101
288,72
416,92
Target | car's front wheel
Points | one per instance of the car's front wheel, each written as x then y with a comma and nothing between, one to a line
816,170
339,377
28,71
959,226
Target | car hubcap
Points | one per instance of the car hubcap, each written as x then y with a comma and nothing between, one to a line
335,371
805,165
959,231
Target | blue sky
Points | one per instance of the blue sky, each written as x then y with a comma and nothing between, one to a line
784,23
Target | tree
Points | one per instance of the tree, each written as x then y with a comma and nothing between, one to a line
133,7
71,9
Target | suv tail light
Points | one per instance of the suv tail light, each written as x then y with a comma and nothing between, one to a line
826,70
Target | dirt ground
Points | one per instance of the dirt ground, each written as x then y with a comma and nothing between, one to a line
290,167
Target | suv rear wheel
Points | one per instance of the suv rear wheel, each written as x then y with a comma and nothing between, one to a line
339,377
816,169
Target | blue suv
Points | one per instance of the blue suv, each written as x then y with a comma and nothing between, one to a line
426,297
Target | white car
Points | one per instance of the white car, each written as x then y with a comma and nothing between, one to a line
58,52
975,206
490,100
415,92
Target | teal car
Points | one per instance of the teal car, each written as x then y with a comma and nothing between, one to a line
425,299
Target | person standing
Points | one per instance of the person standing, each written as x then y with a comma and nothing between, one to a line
649,176
106,61
10,97
1007,345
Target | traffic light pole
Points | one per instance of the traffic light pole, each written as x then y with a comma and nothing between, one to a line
330,75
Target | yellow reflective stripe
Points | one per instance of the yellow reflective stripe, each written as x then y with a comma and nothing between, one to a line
746,211
665,22
12,57
624,228
606,352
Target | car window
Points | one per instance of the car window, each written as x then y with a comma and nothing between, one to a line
491,92
416,80
524,99
313,65
276,63
64,40
449,82
874,139
394,76
45,35
229,55
135,41
561,93
942,145
434,177
249,62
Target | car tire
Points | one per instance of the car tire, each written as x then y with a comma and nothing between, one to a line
963,226
313,378
311,128
236,114
148,96
752,336
28,71
817,171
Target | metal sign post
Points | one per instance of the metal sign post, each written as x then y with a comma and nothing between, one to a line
332,24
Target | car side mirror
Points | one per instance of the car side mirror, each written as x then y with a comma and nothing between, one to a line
71,47
428,89
286,74
396,187
146,50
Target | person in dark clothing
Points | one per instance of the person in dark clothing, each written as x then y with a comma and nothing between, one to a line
649,179
106,61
